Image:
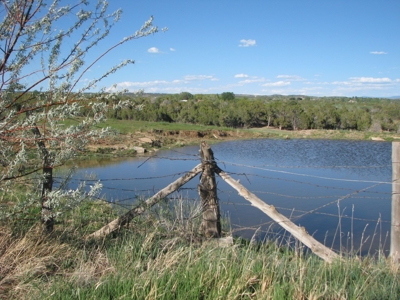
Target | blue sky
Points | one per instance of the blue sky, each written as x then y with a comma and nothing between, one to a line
320,48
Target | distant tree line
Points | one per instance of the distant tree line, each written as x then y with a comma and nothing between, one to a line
283,112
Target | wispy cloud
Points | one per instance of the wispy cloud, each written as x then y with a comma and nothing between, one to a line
162,84
370,80
247,43
291,77
241,75
378,52
172,49
252,80
277,83
356,84
140,84
153,50
200,77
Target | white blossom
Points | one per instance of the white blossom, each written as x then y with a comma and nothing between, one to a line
42,65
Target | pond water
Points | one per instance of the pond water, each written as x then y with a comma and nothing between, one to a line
340,191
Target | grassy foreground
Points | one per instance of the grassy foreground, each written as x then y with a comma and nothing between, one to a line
160,256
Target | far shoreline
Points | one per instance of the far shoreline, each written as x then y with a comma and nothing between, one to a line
143,138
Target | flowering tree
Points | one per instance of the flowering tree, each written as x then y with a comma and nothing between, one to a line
42,63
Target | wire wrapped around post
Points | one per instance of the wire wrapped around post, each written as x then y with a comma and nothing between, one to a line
211,223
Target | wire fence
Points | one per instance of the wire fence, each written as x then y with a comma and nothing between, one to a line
307,198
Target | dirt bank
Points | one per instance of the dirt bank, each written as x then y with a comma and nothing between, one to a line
155,139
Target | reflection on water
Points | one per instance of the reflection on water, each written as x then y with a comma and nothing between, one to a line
316,183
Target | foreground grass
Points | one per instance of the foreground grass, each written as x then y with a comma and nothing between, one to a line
159,256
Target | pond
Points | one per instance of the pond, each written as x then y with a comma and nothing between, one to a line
340,191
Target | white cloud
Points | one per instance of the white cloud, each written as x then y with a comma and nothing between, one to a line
276,92
162,85
277,83
291,77
252,80
378,52
200,77
363,81
317,82
293,91
142,84
247,43
370,80
357,84
179,81
153,50
241,75
172,49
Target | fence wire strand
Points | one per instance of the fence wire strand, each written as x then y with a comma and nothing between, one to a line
361,194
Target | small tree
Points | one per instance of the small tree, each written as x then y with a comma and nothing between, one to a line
227,96
42,65
185,96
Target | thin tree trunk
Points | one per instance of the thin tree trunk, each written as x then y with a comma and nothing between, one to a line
211,224
298,232
124,219
47,186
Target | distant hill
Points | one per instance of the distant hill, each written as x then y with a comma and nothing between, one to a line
394,97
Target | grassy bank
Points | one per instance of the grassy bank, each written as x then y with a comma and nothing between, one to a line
129,134
141,127
160,256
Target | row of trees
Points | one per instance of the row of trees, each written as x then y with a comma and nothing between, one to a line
247,113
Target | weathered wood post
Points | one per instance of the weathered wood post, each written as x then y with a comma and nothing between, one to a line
210,225
395,224
299,233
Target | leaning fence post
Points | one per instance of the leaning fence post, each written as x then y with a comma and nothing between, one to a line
395,223
210,225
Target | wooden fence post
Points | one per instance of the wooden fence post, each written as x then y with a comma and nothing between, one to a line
299,233
395,224
211,224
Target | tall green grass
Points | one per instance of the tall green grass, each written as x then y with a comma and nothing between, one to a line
161,256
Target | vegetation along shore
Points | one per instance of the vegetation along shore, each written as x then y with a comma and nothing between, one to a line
162,121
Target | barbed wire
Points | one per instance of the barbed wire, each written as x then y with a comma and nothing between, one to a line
129,178
120,202
307,175
293,210
367,193
247,175
301,182
324,167
312,197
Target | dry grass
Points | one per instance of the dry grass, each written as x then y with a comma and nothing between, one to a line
24,259
30,262
154,259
